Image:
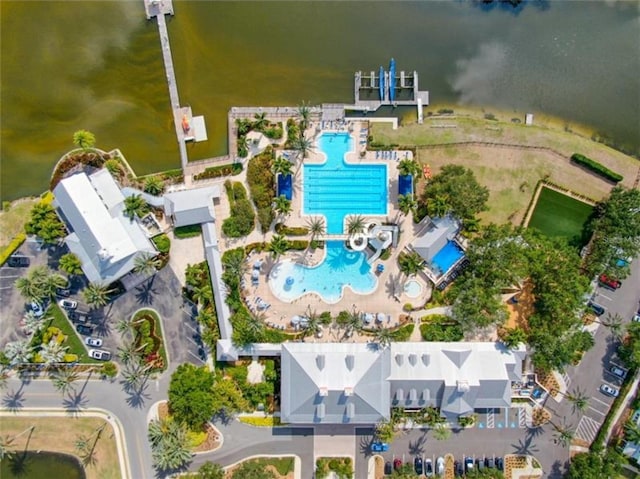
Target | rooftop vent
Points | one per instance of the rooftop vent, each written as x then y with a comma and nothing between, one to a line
399,359
348,391
323,391
413,359
350,361
413,395
320,409
351,410
426,359
320,361
426,394
399,395
462,386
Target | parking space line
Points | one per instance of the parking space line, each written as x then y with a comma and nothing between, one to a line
601,413
587,429
522,417
490,419
601,402
600,295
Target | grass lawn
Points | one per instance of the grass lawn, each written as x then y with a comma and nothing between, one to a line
12,221
557,214
58,434
73,341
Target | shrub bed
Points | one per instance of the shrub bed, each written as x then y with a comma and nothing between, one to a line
403,333
72,159
183,232
231,169
341,466
440,328
261,182
596,167
242,219
283,229
149,339
162,242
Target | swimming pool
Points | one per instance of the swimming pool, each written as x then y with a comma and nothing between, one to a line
412,288
447,256
341,268
336,189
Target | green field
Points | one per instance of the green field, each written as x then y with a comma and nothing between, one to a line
557,214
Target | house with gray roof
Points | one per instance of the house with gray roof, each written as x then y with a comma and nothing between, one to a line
434,236
191,207
355,383
104,239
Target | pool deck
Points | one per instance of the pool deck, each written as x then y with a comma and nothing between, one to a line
388,298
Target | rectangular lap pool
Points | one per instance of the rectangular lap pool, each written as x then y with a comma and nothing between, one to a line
336,189
447,257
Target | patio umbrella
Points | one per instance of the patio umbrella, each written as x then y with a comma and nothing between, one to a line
255,274
381,317
368,317
295,320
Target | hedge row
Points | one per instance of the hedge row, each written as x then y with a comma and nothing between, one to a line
242,219
16,242
261,182
597,168
283,229
218,171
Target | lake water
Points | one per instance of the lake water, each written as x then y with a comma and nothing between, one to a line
36,465
97,65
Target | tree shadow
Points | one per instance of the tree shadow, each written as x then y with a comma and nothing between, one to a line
75,402
223,417
416,448
525,446
557,470
19,464
137,396
145,293
13,400
365,445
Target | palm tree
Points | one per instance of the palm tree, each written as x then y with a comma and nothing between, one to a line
615,325
441,432
52,353
71,264
255,322
96,294
135,205
5,443
153,185
260,121
18,352
439,206
4,376
303,145
84,139
354,321
33,323
304,112
383,336
33,286
408,167
134,374
316,227
168,439
243,126
145,263
235,265
124,327
203,294
632,431
313,323
63,379
282,166
243,146
127,352
563,436
410,263
282,205
87,448
51,282
578,399
355,224
406,203
278,246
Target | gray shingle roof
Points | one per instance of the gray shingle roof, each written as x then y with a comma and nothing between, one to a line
191,207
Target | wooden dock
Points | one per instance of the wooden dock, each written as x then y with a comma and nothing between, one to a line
155,8
367,96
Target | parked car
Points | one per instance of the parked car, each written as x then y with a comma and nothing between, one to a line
596,308
480,464
397,463
388,468
609,283
468,464
428,468
100,354
68,304
84,330
499,463
609,391
615,370
18,261
63,292
440,466
418,465
458,468
94,342
491,462
636,317
37,309
379,447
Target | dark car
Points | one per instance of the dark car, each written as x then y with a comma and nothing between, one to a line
468,464
491,462
18,261
609,283
417,465
499,464
615,370
480,464
388,468
596,308
63,292
84,330
458,468
397,463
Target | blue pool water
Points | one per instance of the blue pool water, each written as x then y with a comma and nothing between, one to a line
336,189
447,256
340,268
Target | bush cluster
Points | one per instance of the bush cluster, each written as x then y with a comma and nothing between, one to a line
16,242
218,171
162,242
597,168
283,229
242,219
191,231
261,182
440,328
70,161
342,466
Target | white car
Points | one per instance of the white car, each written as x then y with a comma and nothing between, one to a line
609,391
636,318
100,354
95,342
68,304
37,309
440,466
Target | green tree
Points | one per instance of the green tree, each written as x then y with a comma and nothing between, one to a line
410,263
282,205
383,336
260,121
304,112
153,185
355,224
168,441
243,126
282,166
252,470
109,369
512,338
44,223
190,395
278,246
614,323
595,465
18,352
227,398
135,205
441,432
302,145
63,379
145,263
316,227
113,167
84,139
477,305
409,167
629,351
632,431
406,203
96,295
71,264
210,470
456,185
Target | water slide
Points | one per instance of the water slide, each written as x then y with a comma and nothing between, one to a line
381,84
392,80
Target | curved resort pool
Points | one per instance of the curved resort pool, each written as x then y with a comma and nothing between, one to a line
336,189
341,268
